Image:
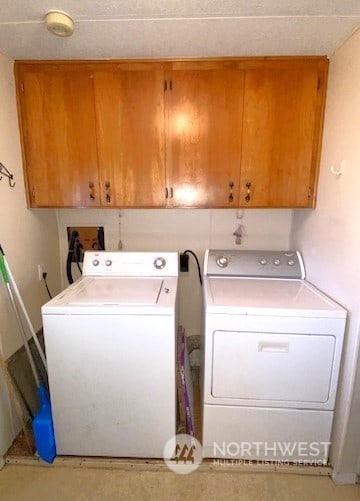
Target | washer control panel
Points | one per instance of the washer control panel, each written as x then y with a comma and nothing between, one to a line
254,263
104,263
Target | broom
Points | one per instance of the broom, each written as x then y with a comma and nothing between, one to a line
26,316
42,423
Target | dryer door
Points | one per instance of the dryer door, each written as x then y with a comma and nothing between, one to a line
261,368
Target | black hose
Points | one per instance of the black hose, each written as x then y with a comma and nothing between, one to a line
73,237
188,251
101,238
78,254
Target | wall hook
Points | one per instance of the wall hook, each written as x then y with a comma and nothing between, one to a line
6,173
338,171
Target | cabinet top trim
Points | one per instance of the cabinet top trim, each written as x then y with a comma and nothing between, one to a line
169,61
247,63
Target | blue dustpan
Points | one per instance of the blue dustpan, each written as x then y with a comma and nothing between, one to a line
43,428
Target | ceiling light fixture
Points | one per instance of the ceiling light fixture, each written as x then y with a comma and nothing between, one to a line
59,23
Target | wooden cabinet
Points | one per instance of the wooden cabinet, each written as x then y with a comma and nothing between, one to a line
92,135
205,117
283,104
58,136
130,129
208,133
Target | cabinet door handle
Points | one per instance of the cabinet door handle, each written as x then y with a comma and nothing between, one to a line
231,196
171,193
166,193
248,195
91,191
107,192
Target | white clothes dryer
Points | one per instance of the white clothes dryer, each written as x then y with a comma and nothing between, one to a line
272,347
110,341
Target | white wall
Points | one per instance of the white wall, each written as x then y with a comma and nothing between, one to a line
329,238
27,237
30,237
178,230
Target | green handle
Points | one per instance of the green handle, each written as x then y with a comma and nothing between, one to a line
3,269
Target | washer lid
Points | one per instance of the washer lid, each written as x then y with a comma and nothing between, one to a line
116,291
268,297
116,295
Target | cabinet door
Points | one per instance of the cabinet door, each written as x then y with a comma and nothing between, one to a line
59,140
282,121
205,122
130,136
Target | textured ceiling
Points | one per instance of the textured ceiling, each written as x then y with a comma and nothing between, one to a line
177,28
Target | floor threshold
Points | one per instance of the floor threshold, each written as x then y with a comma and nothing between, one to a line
208,465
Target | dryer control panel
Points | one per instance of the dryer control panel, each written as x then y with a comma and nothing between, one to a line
254,263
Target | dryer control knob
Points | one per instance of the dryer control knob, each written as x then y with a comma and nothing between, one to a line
276,262
291,262
108,262
222,261
95,262
159,263
263,261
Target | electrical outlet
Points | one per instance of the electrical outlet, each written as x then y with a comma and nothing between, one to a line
41,270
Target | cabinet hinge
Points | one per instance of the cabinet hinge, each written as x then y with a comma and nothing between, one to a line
310,193
33,193
22,86
319,83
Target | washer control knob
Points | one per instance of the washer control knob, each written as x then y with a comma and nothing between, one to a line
276,262
291,262
159,263
95,262
222,261
108,262
263,261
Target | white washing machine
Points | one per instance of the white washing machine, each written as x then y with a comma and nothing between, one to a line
272,346
110,345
